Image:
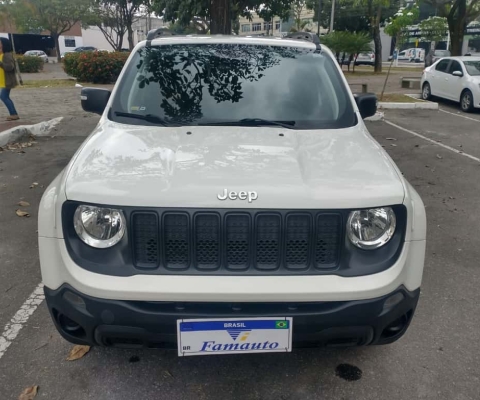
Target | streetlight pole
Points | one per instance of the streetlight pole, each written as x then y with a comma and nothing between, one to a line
318,17
332,16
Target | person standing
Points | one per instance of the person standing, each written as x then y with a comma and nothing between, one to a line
8,78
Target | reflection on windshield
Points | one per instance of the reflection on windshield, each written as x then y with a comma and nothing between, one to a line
210,83
473,67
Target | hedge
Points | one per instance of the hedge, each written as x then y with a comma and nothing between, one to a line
95,66
29,64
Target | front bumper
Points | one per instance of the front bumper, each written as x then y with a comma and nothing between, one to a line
83,319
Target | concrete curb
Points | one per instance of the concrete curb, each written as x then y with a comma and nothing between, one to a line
20,132
377,117
423,105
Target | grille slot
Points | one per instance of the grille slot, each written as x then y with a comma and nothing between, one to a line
327,246
207,241
176,241
268,241
237,242
145,234
299,228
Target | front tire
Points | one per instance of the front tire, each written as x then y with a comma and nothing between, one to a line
466,101
426,91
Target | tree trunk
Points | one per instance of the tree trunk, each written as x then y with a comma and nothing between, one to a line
377,41
220,15
131,44
56,38
456,25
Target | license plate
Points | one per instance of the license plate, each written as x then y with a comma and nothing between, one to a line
198,337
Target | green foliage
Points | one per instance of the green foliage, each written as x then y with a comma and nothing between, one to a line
95,66
433,29
185,11
348,42
54,16
396,27
350,15
30,64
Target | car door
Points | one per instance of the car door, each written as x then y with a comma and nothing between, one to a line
454,84
440,77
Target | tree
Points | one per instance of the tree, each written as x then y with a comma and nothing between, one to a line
54,16
109,19
433,29
129,10
349,16
357,43
220,13
297,9
459,14
397,27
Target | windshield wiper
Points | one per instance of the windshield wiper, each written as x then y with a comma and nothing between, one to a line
154,119
253,122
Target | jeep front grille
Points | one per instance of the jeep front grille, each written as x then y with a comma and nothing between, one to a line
237,242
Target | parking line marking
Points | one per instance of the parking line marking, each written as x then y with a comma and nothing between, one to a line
12,328
433,141
459,115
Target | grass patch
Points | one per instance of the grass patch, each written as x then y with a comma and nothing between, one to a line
370,72
397,98
49,83
57,83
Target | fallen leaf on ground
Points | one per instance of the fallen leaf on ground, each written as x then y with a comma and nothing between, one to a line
439,156
34,184
168,373
21,213
23,203
29,393
78,352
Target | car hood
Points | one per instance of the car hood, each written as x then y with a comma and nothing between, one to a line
189,166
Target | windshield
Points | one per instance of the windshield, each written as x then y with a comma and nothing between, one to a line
442,53
472,67
201,84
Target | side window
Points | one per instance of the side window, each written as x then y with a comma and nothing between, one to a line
454,66
442,66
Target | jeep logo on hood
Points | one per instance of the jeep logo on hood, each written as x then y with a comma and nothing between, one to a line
250,196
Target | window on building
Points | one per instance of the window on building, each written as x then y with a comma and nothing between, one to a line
277,25
256,27
246,28
267,26
70,42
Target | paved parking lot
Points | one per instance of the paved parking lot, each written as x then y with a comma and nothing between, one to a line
438,152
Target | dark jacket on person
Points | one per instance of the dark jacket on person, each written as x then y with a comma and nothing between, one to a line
8,66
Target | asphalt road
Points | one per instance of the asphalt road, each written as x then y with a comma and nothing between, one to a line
438,358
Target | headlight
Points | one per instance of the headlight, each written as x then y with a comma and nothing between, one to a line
99,227
371,229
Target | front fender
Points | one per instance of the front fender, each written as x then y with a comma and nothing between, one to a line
49,217
417,218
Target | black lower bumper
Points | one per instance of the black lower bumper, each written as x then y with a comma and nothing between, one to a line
83,319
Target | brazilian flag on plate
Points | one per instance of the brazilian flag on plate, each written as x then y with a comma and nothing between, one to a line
281,324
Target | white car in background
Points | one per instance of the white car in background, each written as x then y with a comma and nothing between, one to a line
37,53
365,59
454,78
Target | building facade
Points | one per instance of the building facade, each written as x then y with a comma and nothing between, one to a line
277,27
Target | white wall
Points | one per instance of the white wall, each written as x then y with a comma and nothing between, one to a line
93,36
63,48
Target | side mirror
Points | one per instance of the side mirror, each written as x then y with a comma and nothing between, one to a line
94,100
367,104
457,73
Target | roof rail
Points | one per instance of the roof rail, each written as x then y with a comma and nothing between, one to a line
155,33
309,36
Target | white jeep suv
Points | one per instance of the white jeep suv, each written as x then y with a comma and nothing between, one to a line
231,200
